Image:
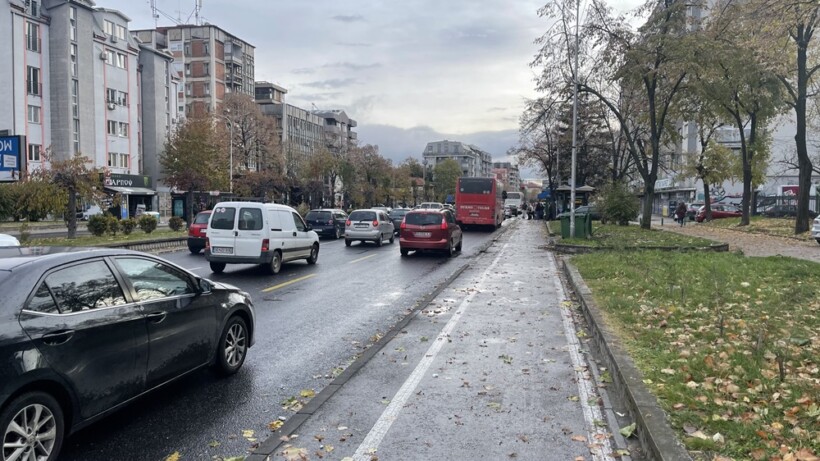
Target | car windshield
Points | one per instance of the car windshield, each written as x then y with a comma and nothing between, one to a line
398,213
318,216
363,216
202,218
422,219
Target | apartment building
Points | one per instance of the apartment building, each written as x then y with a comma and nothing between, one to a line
472,160
508,174
210,62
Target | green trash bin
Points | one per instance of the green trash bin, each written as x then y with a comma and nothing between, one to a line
583,226
564,227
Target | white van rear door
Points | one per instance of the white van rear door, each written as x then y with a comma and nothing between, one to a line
221,234
250,226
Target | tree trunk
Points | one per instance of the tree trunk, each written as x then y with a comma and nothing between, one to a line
190,208
72,213
748,152
801,224
707,198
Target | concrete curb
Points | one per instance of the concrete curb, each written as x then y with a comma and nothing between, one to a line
583,249
273,443
655,435
148,245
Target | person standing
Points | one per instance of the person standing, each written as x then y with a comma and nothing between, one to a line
680,213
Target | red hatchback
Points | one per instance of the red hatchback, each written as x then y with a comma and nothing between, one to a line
197,232
719,210
430,229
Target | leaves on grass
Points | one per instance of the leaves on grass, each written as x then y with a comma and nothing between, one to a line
292,453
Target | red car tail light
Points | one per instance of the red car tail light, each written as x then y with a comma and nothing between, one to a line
265,245
207,243
376,223
347,223
443,223
403,225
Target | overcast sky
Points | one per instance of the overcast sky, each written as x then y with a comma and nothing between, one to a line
408,71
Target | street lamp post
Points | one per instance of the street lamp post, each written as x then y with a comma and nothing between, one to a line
230,151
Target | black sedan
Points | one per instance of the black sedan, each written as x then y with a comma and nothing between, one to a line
84,331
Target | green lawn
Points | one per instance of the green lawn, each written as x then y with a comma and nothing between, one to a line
783,227
90,240
730,345
609,235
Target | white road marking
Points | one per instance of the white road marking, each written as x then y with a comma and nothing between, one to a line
597,437
374,438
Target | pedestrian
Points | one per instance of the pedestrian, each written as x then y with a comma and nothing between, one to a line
530,211
680,214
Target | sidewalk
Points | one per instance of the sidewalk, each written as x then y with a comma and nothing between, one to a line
490,369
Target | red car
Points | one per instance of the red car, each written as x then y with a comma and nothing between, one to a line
719,210
430,229
197,232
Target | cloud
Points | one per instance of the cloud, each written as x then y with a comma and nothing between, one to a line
303,70
351,66
331,83
496,109
354,44
348,18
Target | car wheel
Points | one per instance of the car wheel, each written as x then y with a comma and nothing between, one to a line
458,247
348,242
33,427
314,254
450,250
818,240
194,250
379,240
233,346
217,268
392,237
275,263
338,234
404,251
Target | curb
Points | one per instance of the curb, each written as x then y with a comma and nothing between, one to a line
583,249
655,435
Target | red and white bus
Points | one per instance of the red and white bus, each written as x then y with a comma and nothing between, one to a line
479,202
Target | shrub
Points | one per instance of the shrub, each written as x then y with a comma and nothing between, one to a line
176,223
25,234
98,224
303,209
128,225
148,223
112,224
618,204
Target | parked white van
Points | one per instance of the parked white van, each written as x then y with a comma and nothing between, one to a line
258,233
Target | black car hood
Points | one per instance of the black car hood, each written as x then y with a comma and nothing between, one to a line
224,286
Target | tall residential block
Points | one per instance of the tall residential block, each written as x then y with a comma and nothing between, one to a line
472,160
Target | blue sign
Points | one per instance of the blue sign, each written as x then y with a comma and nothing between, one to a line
11,155
544,195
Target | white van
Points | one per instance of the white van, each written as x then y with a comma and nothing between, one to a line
258,233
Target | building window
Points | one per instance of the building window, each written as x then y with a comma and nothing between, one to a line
112,127
121,60
206,49
32,36
206,68
34,114
33,7
188,89
117,160
122,98
110,57
110,95
34,151
73,52
72,22
76,136
33,85
108,27
207,88
75,98
187,49
188,69
120,32
122,129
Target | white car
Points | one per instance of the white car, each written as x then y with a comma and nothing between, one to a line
369,225
815,230
7,240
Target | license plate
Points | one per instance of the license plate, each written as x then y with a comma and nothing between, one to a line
423,235
222,250
361,226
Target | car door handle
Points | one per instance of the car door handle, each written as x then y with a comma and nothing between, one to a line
294,234
235,233
156,317
60,337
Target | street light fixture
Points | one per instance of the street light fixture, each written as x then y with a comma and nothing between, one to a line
230,150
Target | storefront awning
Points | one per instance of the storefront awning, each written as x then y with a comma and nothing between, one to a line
131,190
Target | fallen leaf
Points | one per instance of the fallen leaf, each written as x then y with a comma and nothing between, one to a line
275,425
214,444
173,456
627,431
295,454
578,438
247,433
308,393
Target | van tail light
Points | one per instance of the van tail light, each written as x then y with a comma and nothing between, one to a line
403,225
444,223
207,243
347,223
376,223
265,245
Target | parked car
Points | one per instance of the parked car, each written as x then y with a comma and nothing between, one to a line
592,210
93,210
7,240
719,211
397,215
430,230
368,225
197,232
427,205
327,221
692,210
815,229
386,209
267,234
86,330
784,211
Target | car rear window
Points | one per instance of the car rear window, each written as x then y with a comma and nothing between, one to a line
422,219
318,216
363,216
202,218
398,213
223,218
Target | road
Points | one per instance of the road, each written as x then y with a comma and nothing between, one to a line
312,321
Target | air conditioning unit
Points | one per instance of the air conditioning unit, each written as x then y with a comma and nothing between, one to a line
111,106
103,56
113,39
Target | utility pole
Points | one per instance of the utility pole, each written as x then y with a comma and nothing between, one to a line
574,120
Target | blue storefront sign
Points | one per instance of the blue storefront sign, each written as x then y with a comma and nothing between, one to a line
11,157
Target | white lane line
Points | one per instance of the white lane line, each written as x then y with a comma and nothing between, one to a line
597,437
374,438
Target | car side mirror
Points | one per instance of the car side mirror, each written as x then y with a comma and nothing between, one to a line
308,227
205,286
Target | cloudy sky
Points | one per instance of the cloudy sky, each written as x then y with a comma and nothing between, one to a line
408,71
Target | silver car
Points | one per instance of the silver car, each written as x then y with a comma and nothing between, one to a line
368,225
